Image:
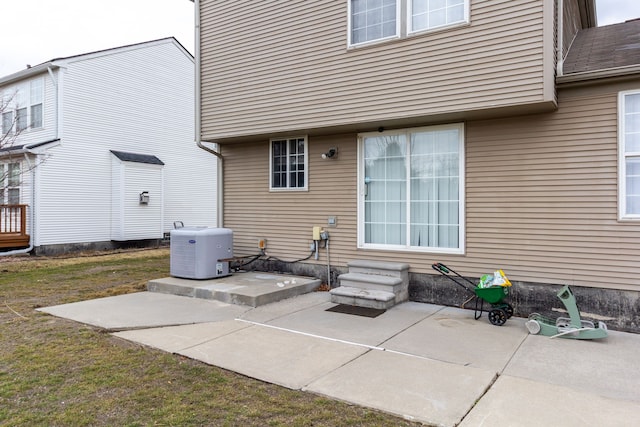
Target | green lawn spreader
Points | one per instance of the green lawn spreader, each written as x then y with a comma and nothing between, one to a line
566,327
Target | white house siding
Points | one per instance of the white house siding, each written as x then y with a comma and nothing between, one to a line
136,99
280,66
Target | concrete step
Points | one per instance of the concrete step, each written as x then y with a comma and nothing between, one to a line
362,297
380,268
252,289
371,282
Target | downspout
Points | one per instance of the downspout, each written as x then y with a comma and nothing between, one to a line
559,40
198,124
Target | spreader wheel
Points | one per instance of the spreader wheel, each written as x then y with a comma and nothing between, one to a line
497,317
509,310
533,326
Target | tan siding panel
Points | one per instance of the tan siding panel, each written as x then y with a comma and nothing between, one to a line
540,203
277,66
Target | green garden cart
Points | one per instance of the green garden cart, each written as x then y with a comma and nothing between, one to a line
500,310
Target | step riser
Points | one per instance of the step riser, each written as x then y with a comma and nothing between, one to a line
361,302
403,274
372,286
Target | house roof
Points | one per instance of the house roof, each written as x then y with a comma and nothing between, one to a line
57,62
137,158
612,48
25,148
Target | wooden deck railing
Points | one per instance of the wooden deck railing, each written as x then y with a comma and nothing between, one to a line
13,226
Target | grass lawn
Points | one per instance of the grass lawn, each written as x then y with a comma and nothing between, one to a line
56,372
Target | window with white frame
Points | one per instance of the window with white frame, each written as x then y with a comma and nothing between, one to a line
431,14
7,122
629,152
23,107
412,189
10,183
372,20
36,96
378,20
288,163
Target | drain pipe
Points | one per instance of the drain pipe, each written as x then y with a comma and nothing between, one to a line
559,39
198,123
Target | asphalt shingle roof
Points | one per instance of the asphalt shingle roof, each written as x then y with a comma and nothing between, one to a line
601,48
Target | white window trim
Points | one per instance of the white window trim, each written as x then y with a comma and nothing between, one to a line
461,203
306,164
622,172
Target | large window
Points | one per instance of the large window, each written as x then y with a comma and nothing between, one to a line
629,162
288,163
412,189
377,20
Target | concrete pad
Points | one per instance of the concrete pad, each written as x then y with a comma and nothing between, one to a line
452,335
520,402
419,389
265,313
177,338
358,329
596,366
272,355
145,310
245,288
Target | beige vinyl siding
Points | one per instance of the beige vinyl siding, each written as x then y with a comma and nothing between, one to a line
286,218
276,66
541,199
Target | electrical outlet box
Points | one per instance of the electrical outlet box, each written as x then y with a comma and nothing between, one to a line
262,244
316,233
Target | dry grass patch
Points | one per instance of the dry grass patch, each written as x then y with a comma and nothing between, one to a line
56,372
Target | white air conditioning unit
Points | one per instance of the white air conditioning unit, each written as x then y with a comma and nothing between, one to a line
198,252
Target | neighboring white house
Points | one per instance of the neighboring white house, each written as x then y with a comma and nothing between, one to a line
111,134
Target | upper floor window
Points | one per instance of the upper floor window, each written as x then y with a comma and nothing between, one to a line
288,163
430,14
7,122
373,20
36,96
377,20
22,107
629,161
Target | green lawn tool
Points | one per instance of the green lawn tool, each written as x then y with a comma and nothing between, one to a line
571,327
500,310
